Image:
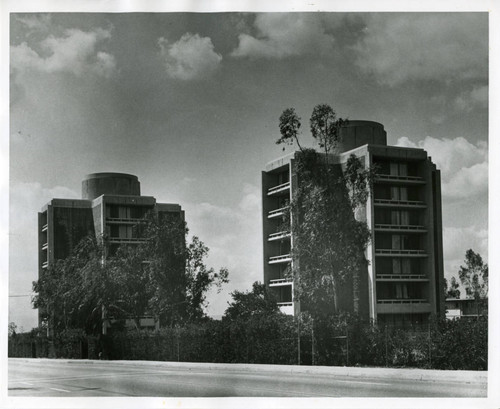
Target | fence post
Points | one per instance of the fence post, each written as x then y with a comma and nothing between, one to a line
312,342
386,352
298,340
347,346
430,347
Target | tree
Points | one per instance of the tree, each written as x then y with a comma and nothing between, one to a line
289,124
325,127
474,277
12,328
453,290
329,242
250,303
160,276
199,279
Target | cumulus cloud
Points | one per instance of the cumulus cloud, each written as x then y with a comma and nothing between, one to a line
284,35
463,165
424,46
191,57
76,52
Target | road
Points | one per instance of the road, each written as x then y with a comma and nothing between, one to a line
65,378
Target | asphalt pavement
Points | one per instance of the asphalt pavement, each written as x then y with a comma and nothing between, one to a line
88,378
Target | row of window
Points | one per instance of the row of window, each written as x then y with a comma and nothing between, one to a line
397,168
125,212
401,193
399,266
398,217
400,291
398,241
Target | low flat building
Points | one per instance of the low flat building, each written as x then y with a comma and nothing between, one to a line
465,308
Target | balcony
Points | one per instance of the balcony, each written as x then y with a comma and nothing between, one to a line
403,301
279,236
286,307
277,212
45,246
403,306
284,258
45,227
45,264
399,252
413,180
123,220
400,228
402,277
279,282
278,189
416,204
127,240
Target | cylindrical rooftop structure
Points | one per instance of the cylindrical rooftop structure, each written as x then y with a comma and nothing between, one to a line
358,133
97,184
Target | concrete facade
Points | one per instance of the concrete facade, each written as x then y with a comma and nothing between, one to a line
112,205
404,275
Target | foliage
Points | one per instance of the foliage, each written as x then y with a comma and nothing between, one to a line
160,276
289,128
453,290
460,344
200,278
325,127
328,241
247,304
12,328
474,276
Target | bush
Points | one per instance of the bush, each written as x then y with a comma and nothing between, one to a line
460,344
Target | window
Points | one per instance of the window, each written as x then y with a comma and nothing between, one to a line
398,169
125,232
124,212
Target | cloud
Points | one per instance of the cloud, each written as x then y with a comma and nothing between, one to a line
191,57
424,46
284,35
35,23
476,98
463,165
76,52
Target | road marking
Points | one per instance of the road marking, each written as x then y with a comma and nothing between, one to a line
59,390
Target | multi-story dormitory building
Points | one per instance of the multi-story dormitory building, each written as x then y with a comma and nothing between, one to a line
111,205
404,275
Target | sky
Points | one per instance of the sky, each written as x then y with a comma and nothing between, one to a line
190,103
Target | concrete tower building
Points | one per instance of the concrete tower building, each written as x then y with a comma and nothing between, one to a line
404,276
111,204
